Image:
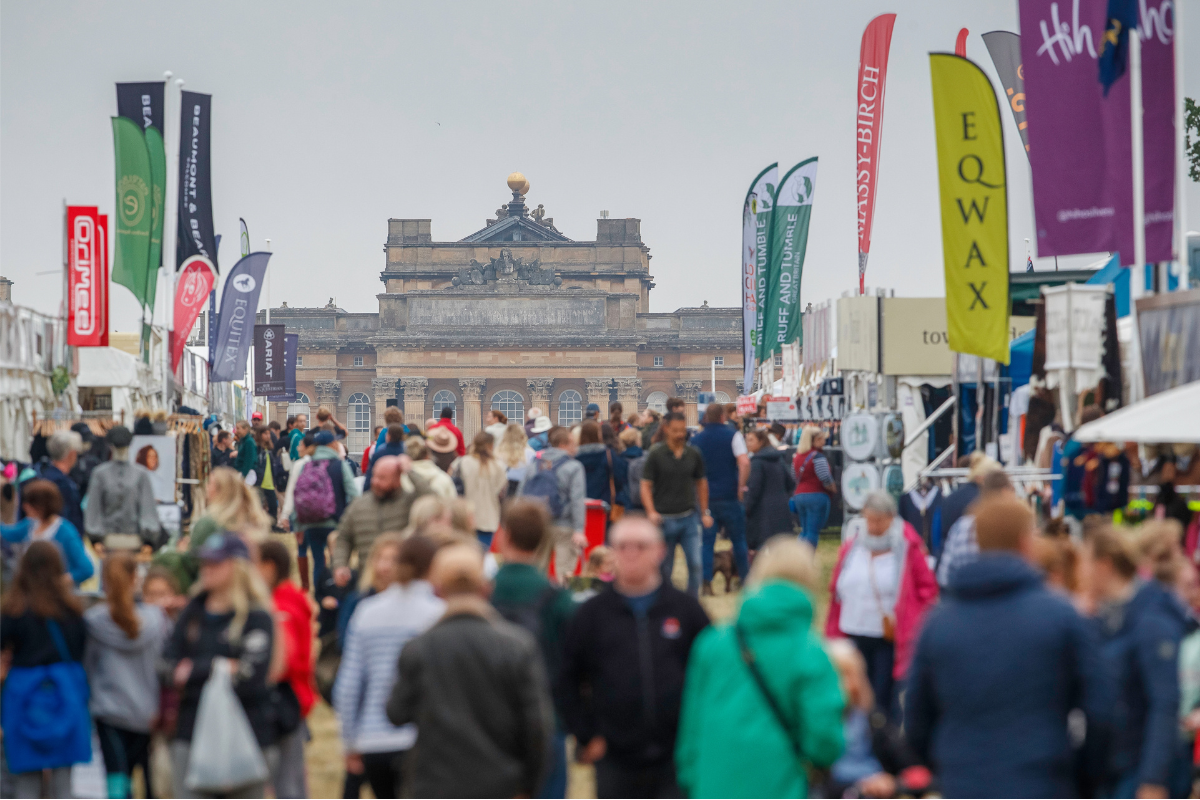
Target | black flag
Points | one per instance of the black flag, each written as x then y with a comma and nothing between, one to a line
1005,49
196,236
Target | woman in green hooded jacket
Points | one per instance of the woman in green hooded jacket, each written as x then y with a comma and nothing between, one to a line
733,740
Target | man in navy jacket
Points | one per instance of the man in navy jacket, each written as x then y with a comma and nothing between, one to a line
999,665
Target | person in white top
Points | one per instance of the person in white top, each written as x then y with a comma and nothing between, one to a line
485,482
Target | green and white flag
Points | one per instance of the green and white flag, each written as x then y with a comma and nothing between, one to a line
788,241
134,217
756,217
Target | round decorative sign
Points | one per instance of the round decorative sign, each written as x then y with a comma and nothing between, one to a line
854,526
893,435
893,481
859,480
860,436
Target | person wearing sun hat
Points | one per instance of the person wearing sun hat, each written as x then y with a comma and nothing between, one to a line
538,432
443,446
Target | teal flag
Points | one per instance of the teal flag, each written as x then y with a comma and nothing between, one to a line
756,218
789,239
134,217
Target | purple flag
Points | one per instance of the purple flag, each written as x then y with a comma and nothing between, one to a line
1079,140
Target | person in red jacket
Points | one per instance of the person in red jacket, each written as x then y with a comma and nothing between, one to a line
447,421
294,618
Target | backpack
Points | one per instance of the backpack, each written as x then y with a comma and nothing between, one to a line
315,498
45,713
634,481
543,485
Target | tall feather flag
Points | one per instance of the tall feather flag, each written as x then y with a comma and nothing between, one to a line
756,220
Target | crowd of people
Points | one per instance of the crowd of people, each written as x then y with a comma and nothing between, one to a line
445,599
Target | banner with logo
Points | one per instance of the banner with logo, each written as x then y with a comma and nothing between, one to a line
868,127
144,103
134,214
87,277
269,367
974,204
1080,139
756,216
196,236
291,345
788,241
1005,50
194,283
239,303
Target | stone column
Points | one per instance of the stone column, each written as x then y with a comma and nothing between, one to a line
279,414
414,400
688,391
628,390
471,421
539,393
384,389
597,392
327,395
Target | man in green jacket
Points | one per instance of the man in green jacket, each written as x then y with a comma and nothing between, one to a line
247,450
731,742
524,596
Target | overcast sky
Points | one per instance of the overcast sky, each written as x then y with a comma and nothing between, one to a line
330,118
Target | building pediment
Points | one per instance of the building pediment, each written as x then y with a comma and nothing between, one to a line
516,229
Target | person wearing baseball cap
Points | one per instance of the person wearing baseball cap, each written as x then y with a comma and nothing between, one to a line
120,509
592,411
311,536
228,625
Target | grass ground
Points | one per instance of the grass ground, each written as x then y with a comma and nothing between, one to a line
324,751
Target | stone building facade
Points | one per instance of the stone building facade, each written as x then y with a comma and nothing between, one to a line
515,315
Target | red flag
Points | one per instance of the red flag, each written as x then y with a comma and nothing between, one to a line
191,295
87,277
872,78
960,44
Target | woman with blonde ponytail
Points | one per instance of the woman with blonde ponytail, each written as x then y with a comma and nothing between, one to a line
124,640
231,505
228,623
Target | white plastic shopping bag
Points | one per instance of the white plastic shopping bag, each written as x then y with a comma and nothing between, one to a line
224,754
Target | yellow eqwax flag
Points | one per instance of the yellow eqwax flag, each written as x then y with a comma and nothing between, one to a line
974,202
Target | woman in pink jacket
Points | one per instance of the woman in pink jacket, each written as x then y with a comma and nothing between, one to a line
880,589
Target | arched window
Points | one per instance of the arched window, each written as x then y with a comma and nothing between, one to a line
657,401
358,422
570,408
510,403
722,397
441,400
300,406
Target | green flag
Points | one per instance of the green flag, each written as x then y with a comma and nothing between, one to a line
789,239
158,188
134,201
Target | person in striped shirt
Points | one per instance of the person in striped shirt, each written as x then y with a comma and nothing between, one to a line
382,624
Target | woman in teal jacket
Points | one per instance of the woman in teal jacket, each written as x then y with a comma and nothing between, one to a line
735,742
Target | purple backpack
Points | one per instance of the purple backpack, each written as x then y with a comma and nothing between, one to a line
314,498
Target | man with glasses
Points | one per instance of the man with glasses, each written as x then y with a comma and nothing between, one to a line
623,664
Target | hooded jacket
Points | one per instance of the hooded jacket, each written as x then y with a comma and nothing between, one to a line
599,466
727,724
1140,651
767,493
572,487
295,616
439,482
120,499
120,670
1000,664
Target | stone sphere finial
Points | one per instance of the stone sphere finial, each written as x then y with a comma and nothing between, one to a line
517,182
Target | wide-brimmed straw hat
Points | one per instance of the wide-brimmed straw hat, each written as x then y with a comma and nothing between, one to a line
441,440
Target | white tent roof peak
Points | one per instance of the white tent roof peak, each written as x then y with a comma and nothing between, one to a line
1170,417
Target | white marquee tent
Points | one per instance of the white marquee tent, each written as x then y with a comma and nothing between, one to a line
1169,417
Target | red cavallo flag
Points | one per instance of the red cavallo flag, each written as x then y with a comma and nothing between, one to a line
868,123
191,295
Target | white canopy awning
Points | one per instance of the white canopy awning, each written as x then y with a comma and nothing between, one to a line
107,366
1169,417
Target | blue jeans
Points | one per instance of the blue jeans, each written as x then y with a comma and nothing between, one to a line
555,785
314,540
730,515
485,538
811,510
685,532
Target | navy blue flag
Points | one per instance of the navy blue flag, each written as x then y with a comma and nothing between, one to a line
235,325
291,344
1122,17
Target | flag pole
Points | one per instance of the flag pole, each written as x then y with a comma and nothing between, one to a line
170,222
1181,162
1137,275
267,281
